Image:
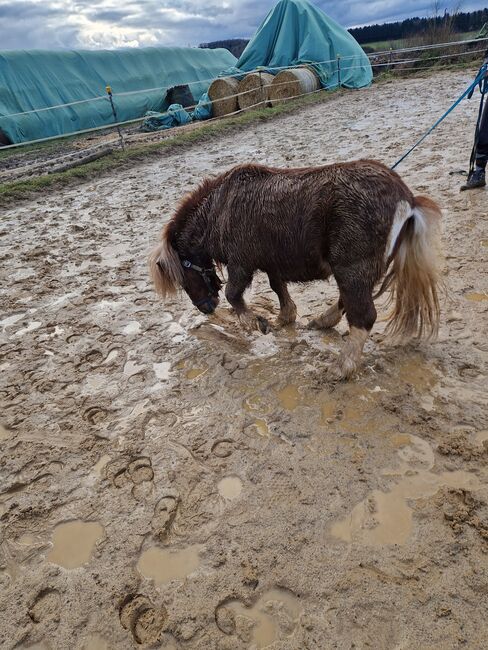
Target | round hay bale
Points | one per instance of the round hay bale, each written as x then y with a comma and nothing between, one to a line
292,83
254,90
223,94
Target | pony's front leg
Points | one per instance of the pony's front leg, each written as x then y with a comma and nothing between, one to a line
329,318
238,281
288,309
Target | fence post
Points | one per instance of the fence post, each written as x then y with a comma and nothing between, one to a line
261,86
391,58
339,70
114,113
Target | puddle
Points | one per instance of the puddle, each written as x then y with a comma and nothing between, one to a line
289,397
161,370
481,436
95,642
98,468
133,327
163,565
111,357
262,428
416,371
327,410
132,368
230,487
73,543
193,373
385,517
265,630
476,297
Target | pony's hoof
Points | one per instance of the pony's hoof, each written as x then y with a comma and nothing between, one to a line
315,324
341,371
263,325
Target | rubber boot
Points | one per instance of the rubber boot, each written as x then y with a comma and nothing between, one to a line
475,179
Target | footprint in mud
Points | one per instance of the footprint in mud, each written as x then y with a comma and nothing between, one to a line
145,621
95,415
46,606
164,515
137,473
275,615
223,448
90,360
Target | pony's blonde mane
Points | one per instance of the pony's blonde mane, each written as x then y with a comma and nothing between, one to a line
165,266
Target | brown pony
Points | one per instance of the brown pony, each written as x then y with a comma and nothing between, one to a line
356,221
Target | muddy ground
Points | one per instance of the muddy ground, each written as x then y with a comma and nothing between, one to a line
168,481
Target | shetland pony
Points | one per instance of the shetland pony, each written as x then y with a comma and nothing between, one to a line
356,221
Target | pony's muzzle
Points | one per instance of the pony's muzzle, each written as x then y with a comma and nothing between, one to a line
209,305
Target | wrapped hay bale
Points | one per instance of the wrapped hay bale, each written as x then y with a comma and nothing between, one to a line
292,83
223,94
254,90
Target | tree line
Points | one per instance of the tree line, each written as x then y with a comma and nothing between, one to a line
459,22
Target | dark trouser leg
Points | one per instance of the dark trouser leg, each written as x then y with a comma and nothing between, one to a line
288,309
482,147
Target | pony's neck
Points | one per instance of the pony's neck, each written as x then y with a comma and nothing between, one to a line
191,226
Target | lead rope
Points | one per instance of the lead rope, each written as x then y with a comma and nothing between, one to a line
479,78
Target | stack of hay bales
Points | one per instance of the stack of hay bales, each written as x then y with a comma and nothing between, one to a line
293,83
254,90
223,95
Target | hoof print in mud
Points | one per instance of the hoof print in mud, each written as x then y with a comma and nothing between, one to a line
137,473
145,622
94,415
273,616
222,448
46,607
164,515
225,618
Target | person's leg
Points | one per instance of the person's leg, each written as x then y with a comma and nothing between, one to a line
477,177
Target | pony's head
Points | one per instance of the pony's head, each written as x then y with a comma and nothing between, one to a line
194,274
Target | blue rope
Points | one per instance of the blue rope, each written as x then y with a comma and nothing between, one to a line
479,78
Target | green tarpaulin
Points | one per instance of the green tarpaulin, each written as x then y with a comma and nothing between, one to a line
295,32
37,79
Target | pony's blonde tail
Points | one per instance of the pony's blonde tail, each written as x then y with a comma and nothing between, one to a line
165,267
415,274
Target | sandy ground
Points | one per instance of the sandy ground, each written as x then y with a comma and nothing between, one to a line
168,481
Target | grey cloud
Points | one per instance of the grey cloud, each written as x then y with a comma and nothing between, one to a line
63,23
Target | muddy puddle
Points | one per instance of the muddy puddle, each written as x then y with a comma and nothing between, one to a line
74,542
164,565
272,617
387,517
230,487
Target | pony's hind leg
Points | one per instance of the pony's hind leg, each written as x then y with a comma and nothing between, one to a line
238,281
356,288
288,309
328,319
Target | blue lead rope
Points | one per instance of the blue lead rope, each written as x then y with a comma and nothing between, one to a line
478,80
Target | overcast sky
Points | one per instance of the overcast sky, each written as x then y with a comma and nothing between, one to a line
115,23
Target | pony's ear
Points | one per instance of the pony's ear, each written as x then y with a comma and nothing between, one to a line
165,267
